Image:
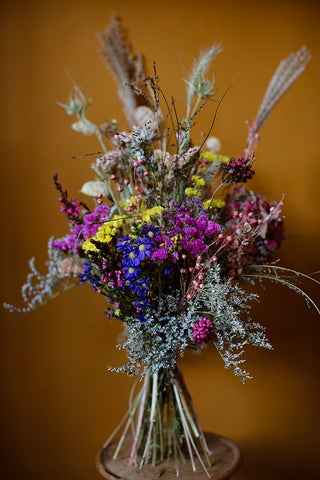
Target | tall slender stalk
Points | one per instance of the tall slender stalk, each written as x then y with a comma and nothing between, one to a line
163,423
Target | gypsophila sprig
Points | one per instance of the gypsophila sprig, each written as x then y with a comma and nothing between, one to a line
227,305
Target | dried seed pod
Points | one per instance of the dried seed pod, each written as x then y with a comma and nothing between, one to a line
213,144
94,188
84,126
187,157
109,128
147,118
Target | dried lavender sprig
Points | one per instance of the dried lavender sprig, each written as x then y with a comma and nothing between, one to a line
287,72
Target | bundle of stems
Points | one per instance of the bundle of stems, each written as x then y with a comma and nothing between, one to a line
163,423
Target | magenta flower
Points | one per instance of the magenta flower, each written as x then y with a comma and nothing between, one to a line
202,330
159,254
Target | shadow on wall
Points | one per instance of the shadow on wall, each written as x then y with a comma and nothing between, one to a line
262,461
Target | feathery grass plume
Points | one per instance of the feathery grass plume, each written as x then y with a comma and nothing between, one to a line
284,276
284,77
125,67
197,85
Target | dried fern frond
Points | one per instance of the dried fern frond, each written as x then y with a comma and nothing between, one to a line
126,67
287,72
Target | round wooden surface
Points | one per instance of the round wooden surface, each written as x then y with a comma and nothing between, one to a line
225,459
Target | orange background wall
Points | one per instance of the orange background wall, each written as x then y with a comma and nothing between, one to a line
58,402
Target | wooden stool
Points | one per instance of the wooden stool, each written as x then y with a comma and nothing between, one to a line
225,458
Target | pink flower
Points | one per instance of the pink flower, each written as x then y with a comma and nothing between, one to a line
202,330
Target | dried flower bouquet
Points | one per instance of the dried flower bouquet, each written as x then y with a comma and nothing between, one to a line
172,236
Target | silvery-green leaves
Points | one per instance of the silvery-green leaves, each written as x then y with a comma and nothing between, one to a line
76,106
77,102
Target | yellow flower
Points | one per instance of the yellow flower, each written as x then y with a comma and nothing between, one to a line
132,199
88,246
222,159
208,155
216,203
151,213
199,182
104,234
192,192
109,229
215,157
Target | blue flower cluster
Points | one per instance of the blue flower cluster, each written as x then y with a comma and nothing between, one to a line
88,276
135,250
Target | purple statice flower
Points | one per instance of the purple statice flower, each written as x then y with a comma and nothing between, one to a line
202,222
71,242
81,231
212,228
160,253
202,330
92,221
190,231
190,223
65,243
196,246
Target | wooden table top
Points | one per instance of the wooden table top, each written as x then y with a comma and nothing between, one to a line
225,458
